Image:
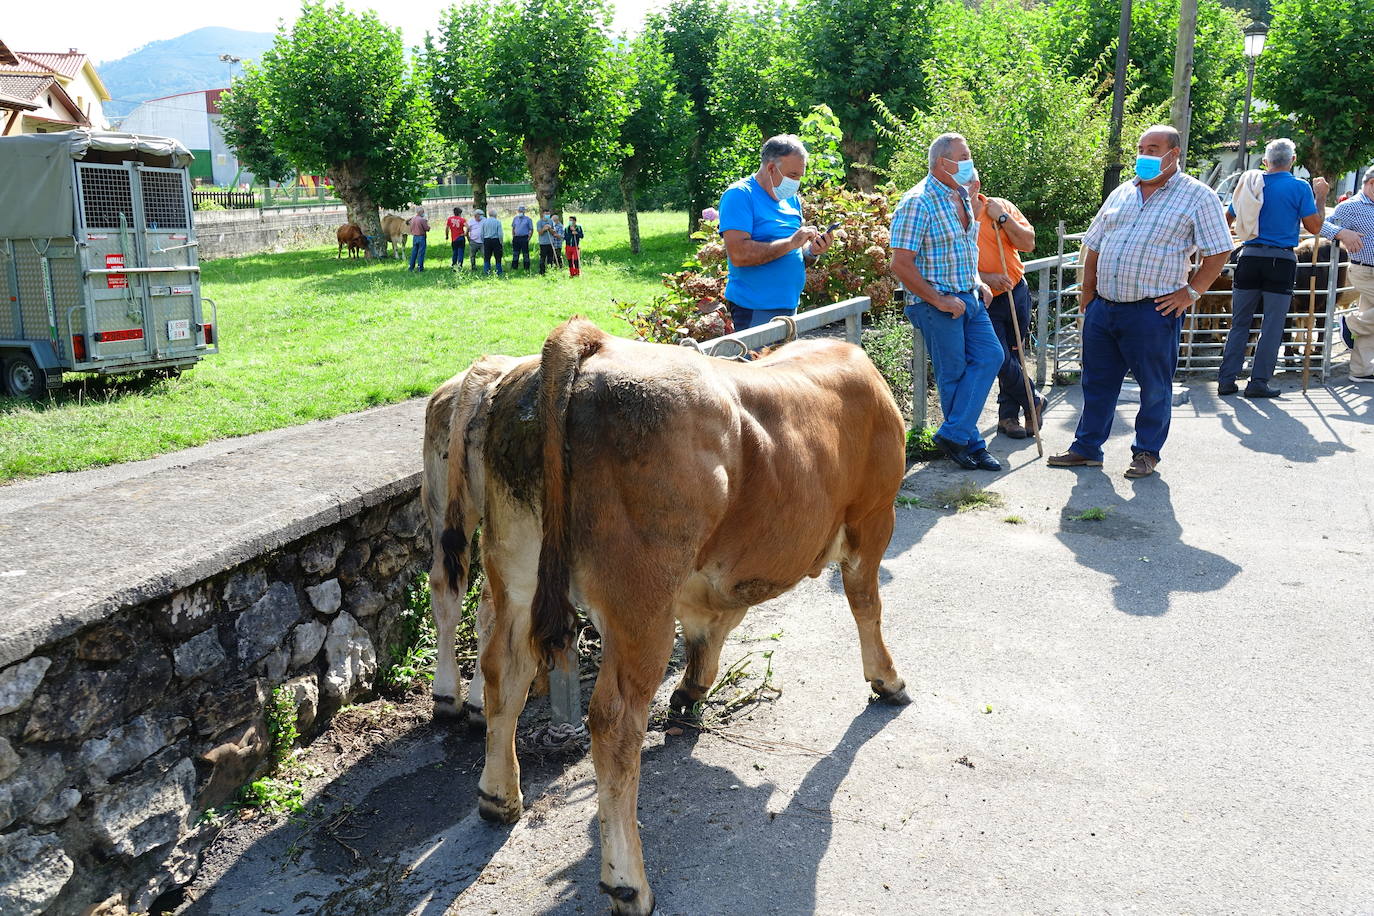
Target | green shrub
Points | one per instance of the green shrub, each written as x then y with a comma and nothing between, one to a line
888,344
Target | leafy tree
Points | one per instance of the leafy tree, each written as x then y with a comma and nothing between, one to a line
692,31
1316,53
557,87
758,81
650,136
1081,36
855,51
459,70
242,122
339,99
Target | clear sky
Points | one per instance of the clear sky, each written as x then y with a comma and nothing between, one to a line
108,31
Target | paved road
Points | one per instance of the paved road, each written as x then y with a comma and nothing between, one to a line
1167,710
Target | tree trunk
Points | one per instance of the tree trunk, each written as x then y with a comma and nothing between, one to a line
859,173
629,179
694,190
543,162
479,188
350,178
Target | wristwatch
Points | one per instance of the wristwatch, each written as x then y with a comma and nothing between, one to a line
1003,218
1193,294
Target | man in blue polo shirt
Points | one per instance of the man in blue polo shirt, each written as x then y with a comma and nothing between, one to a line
767,245
1266,266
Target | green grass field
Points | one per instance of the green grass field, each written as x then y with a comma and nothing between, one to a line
305,337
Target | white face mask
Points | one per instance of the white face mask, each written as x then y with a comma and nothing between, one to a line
786,187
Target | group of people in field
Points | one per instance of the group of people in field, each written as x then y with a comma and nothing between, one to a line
483,233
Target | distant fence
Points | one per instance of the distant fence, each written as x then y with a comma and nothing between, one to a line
229,200
322,196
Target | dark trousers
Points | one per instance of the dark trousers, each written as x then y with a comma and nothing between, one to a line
1265,283
458,247
1119,337
476,250
1011,385
558,253
519,245
492,248
545,256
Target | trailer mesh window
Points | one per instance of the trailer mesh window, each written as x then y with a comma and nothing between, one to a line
104,197
164,200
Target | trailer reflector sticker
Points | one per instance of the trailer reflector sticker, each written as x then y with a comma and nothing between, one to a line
115,281
112,336
179,330
96,238
181,290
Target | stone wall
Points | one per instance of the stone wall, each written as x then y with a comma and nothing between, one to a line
231,233
116,738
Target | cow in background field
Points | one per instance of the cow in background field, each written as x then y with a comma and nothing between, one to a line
351,236
646,483
395,235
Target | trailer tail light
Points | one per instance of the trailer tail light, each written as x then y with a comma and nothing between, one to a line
112,336
79,347
209,330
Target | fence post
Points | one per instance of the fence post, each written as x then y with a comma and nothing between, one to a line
918,379
1333,273
1042,325
853,329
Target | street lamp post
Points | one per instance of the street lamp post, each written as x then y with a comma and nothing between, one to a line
1255,34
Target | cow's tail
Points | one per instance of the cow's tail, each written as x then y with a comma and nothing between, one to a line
553,623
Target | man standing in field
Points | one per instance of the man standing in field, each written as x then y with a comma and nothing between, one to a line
493,243
419,238
520,230
545,229
767,245
456,231
1134,291
935,256
475,237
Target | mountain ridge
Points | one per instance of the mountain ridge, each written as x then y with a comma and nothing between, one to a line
170,66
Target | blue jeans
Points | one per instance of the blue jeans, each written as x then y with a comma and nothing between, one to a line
1011,382
417,251
966,356
1120,337
744,318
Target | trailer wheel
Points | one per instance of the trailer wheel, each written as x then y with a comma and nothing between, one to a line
23,378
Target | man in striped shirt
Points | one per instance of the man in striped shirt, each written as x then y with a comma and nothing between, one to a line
934,242
1134,291
1352,224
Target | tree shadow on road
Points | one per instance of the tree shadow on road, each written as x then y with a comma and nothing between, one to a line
1138,542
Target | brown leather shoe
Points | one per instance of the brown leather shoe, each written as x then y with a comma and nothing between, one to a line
1033,419
1142,466
1010,427
1071,460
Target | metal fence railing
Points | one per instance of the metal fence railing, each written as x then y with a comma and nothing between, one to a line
324,196
229,200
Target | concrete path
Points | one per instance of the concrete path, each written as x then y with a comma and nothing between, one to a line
1170,709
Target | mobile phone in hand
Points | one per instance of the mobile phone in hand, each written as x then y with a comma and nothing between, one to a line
831,228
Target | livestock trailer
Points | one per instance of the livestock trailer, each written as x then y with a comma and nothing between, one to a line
98,259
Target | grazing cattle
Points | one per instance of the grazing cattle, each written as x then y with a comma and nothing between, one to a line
646,483
395,235
351,236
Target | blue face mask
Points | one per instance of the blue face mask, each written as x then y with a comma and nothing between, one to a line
964,172
1147,168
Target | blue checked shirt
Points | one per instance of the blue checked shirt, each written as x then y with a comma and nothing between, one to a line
1356,214
927,224
1144,249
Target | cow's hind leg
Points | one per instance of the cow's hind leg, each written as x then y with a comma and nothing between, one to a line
508,667
634,658
704,634
474,705
866,541
447,606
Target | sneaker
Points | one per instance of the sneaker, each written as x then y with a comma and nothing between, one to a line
1362,378
1261,390
1072,459
1143,465
1225,388
1346,337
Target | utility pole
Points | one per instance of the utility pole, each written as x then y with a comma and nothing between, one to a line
1181,113
1111,176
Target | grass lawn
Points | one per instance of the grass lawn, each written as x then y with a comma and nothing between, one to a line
305,337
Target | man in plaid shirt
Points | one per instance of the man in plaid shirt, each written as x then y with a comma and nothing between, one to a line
934,240
1135,289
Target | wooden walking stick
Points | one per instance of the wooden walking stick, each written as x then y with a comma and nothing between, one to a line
1312,305
1016,329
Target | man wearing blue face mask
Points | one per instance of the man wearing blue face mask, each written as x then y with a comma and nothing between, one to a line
766,244
934,241
1135,289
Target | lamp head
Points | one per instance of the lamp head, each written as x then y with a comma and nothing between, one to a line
1255,34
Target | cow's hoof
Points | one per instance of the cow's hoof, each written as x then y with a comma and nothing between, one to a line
681,701
446,709
477,720
892,697
627,901
498,810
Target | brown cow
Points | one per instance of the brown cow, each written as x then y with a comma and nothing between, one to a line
395,235
647,483
352,236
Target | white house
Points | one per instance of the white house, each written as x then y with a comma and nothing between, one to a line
194,119
62,87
